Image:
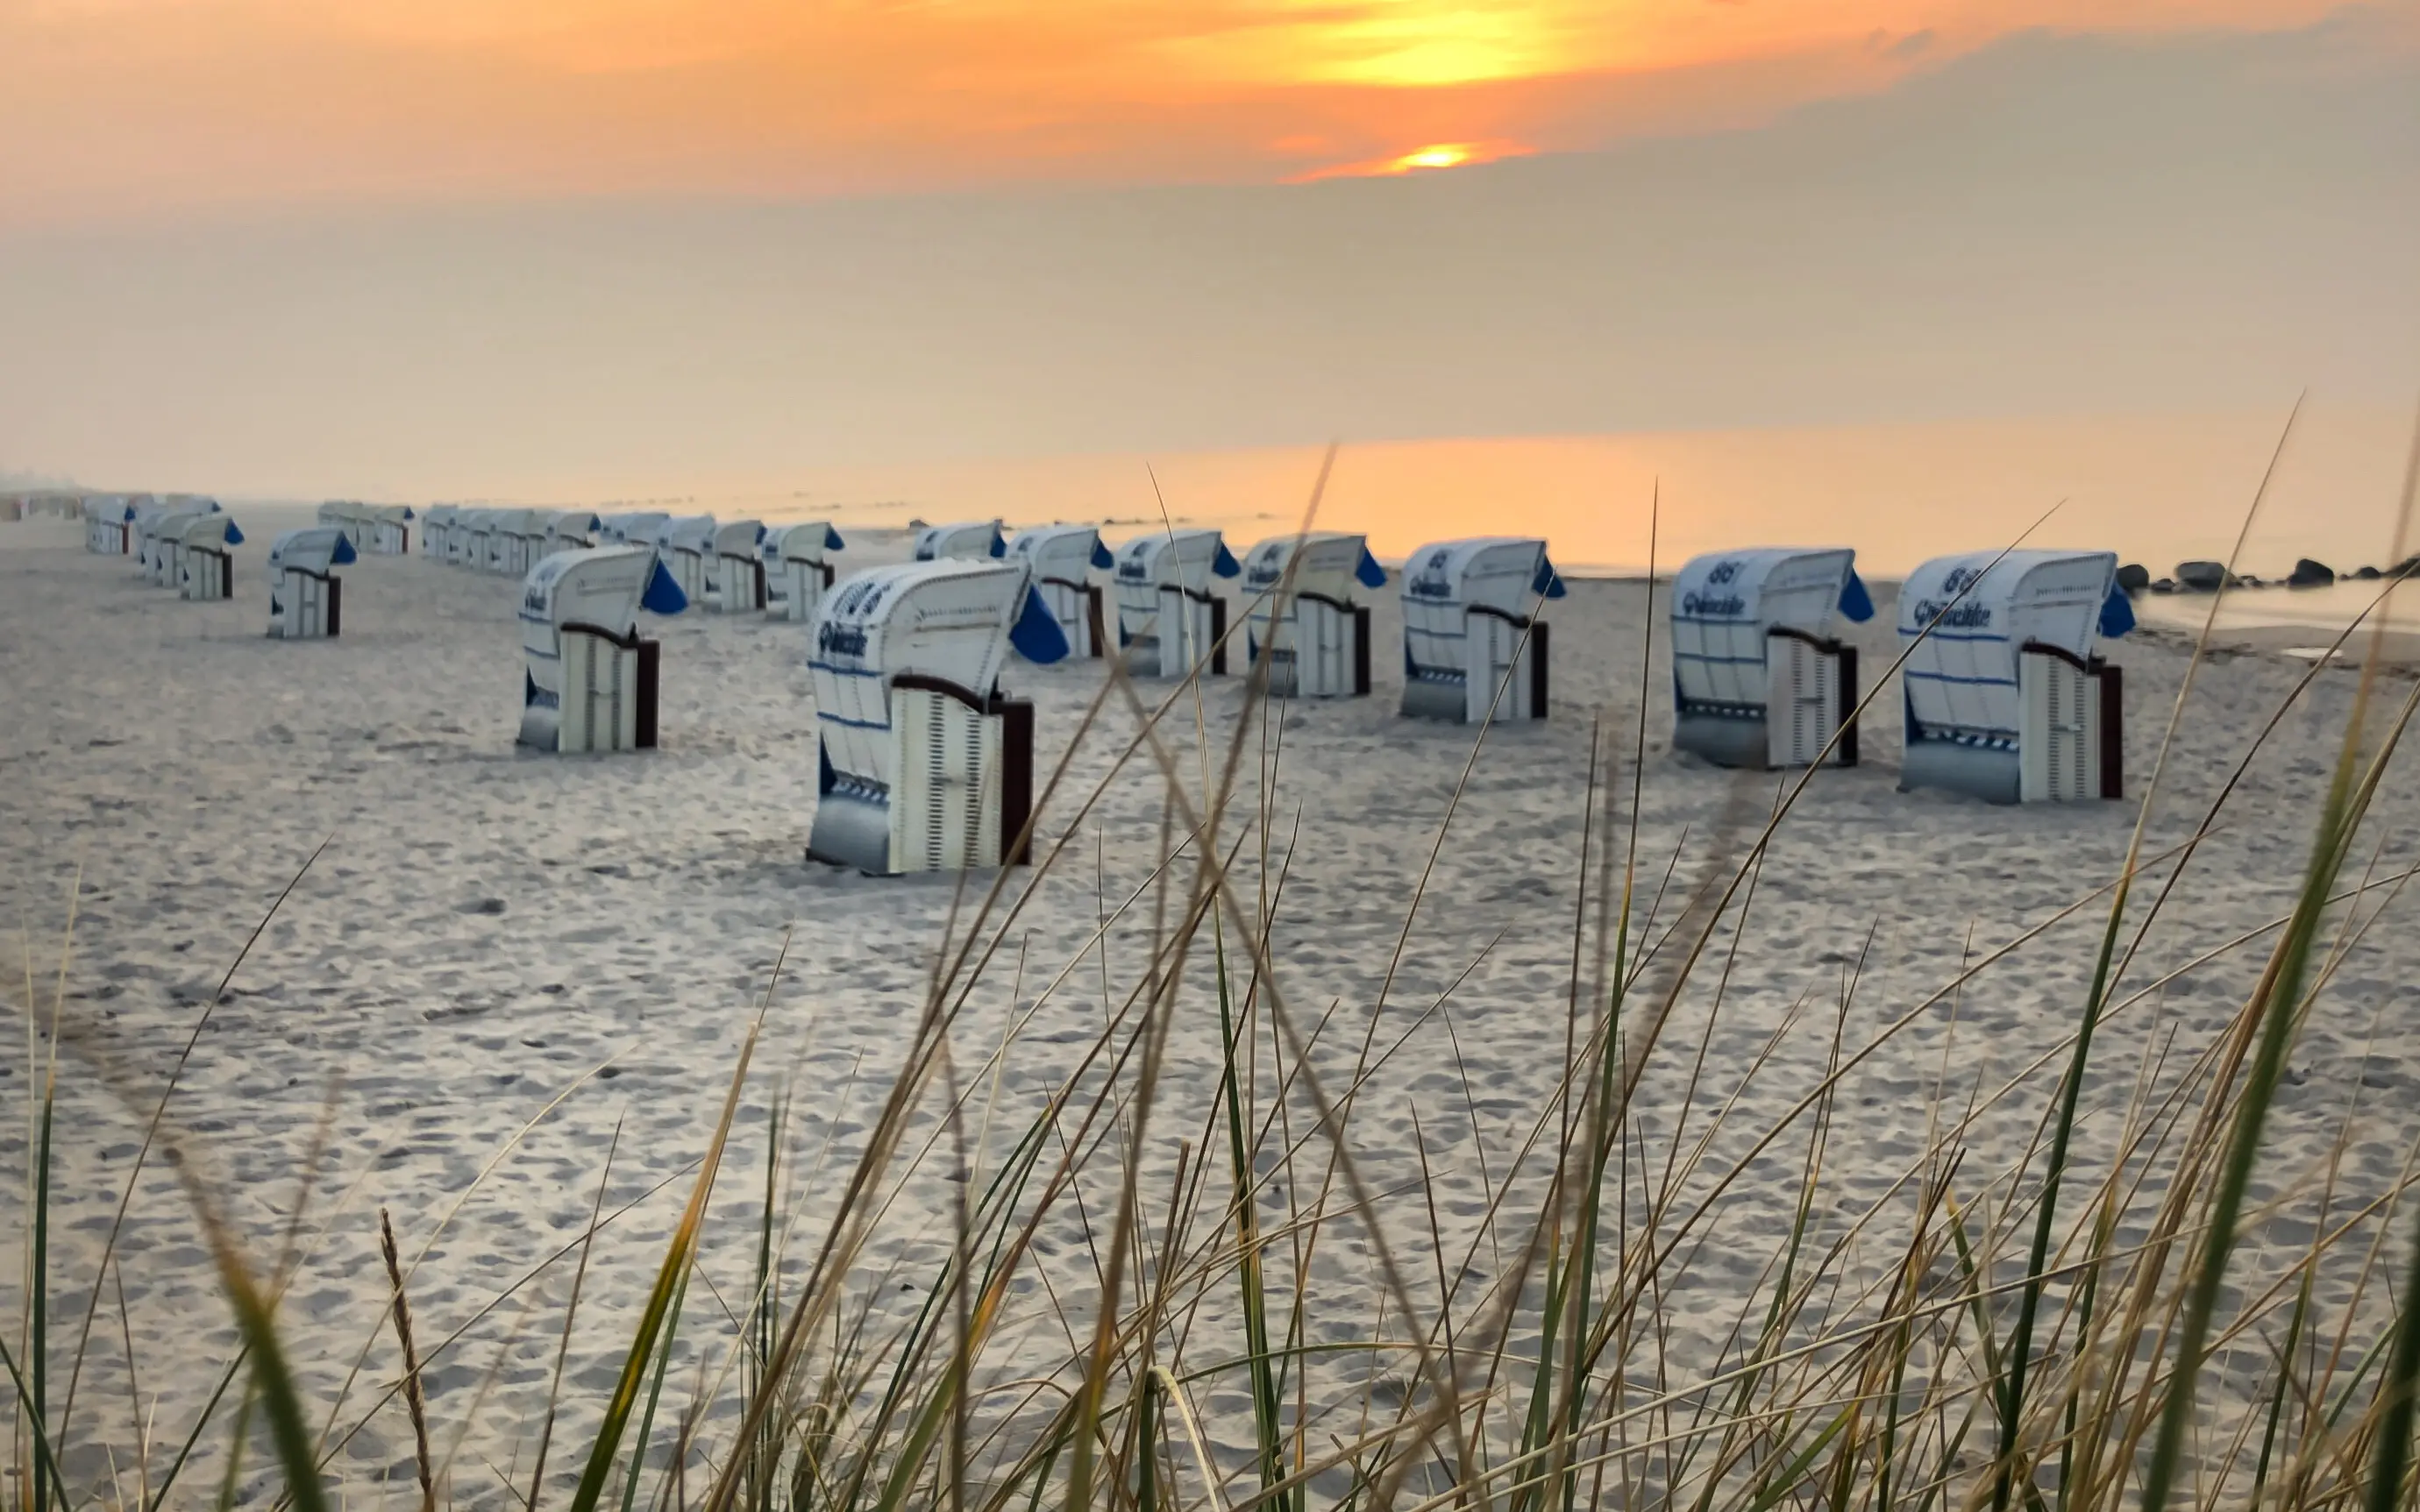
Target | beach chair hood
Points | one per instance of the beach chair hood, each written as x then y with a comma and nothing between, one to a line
640,529
968,540
738,538
1786,587
1177,559
315,549
1509,574
604,586
687,532
1968,619
211,527
803,541
1332,564
956,621
1066,552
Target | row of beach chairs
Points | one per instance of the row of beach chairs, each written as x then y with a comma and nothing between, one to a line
926,763
731,566
182,542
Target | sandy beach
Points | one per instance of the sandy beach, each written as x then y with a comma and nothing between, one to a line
494,941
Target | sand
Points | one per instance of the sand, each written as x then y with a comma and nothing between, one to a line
493,937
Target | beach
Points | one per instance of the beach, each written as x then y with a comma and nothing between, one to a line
503,966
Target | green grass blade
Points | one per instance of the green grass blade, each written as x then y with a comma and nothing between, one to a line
2018,1355
42,1440
38,1342
2396,1391
655,1394
273,1382
2278,996
670,1280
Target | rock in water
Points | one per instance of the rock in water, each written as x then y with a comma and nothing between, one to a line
2310,574
2134,576
2367,574
2201,577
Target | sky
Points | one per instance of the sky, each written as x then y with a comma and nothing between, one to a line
552,251
134,108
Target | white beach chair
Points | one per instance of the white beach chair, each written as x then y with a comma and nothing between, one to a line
974,540
2007,698
305,597
738,569
388,530
1171,614
159,531
633,528
590,681
797,568
1062,557
151,523
466,544
924,765
108,525
1759,678
1471,643
571,529
205,556
1302,608
434,527
519,541
686,546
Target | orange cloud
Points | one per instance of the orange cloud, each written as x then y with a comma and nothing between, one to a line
132,106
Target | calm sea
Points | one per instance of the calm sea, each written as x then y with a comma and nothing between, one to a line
2155,488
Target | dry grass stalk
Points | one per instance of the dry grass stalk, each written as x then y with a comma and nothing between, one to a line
415,1400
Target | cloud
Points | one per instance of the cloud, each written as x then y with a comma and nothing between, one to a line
146,107
2052,223
1905,48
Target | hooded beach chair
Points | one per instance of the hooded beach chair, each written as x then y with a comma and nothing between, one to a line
1062,557
571,529
797,568
2007,698
466,544
433,527
1302,610
155,525
519,541
686,543
1171,614
974,540
924,765
305,597
204,555
738,570
161,533
108,525
387,530
636,529
1470,643
1758,680
590,681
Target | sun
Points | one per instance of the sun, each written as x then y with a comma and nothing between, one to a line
1435,157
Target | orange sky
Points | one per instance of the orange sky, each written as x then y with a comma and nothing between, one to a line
129,107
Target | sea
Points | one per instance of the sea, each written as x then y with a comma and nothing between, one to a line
2157,488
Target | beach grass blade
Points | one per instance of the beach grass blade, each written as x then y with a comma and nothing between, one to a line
656,1316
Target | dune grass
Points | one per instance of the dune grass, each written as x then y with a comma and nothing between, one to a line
2038,1331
